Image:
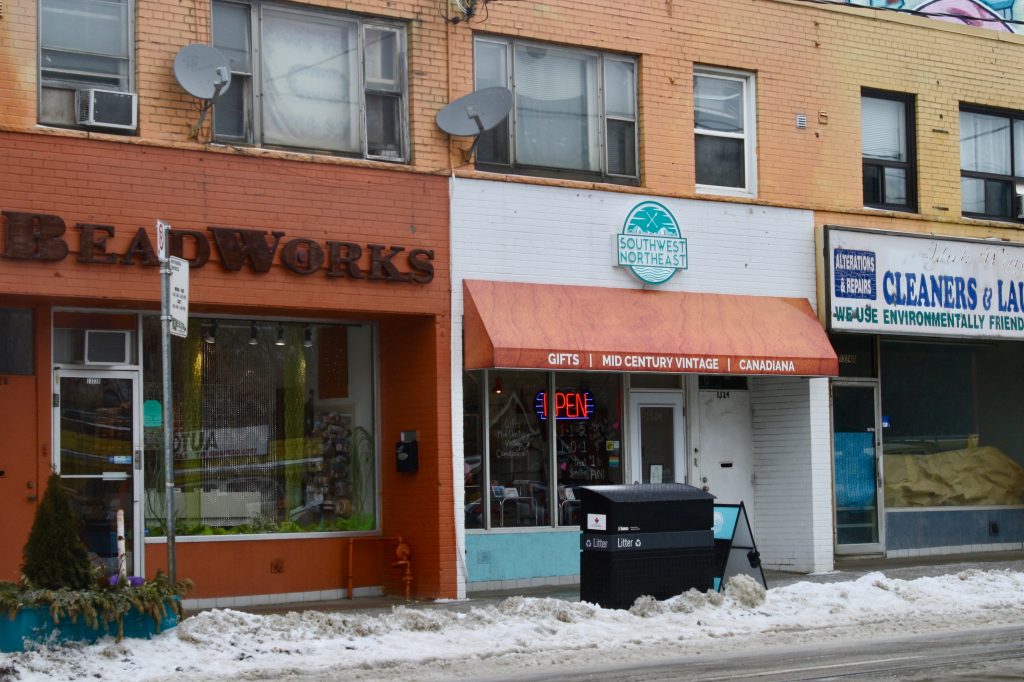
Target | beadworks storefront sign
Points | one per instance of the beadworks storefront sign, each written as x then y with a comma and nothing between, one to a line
908,284
47,238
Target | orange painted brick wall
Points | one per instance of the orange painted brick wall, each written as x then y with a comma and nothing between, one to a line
130,186
418,376
127,186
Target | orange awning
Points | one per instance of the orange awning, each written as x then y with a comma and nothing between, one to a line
540,326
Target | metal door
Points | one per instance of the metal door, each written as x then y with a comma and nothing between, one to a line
727,445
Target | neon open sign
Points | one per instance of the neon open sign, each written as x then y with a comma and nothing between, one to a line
574,405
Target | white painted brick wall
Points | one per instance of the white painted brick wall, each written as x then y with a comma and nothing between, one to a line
513,232
792,473
531,233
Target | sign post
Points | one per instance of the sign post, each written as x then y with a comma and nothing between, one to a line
162,229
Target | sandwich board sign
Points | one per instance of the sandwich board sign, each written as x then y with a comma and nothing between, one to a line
735,550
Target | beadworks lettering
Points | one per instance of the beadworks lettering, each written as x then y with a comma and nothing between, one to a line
41,237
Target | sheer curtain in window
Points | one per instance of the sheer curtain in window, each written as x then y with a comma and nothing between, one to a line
883,129
310,83
984,143
557,110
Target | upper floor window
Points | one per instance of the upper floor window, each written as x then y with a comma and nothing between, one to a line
574,112
724,127
991,163
887,144
308,79
85,45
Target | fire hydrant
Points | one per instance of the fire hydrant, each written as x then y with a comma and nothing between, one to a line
403,552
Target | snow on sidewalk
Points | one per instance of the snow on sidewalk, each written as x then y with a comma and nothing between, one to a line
417,643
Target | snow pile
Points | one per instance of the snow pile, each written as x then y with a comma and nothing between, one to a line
415,643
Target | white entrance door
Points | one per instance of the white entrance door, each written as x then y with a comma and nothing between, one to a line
727,445
98,454
657,438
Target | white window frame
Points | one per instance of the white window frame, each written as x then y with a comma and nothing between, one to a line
127,83
749,134
253,116
510,45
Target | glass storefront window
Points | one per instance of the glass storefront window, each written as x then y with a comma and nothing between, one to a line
519,453
951,431
273,428
588,434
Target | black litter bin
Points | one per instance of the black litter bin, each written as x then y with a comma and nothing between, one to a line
639,540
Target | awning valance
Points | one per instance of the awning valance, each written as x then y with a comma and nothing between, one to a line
541,326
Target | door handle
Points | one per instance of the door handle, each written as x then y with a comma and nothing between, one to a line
138,459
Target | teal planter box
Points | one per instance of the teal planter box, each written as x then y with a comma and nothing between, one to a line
34,624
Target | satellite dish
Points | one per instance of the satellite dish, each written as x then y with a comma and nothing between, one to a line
475,113
202,71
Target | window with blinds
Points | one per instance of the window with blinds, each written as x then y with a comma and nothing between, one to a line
991,163
83,44
887,134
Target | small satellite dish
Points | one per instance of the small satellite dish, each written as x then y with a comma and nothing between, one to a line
202,71
475,113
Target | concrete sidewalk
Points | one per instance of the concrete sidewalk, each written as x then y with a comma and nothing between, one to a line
846,568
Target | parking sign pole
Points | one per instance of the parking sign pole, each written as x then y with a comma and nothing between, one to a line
162,229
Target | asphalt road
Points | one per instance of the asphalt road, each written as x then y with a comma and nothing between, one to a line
976,655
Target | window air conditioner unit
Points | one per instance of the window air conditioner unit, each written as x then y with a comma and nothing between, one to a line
106,109
107,347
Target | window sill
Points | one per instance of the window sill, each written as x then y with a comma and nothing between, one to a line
906,510
555,174
895,212
262,537
995,221
725,192
300,151
523,529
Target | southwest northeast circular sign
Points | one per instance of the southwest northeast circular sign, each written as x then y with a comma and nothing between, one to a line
650,243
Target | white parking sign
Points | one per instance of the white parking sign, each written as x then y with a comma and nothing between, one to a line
179,296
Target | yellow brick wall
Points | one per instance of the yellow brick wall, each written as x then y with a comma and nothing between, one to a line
167,113
808,59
